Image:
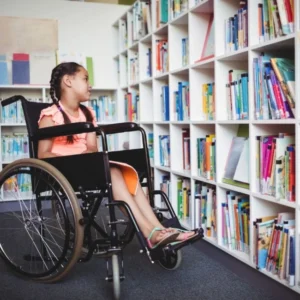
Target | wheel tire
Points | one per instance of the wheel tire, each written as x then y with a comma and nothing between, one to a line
73,245
116,276
171,262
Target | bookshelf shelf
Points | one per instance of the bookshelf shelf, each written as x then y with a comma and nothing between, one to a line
274,200
283,41
236,55
181,173
166,169
206,6
198,178
222,127
234,188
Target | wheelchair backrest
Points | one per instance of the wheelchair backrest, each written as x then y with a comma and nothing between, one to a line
32,111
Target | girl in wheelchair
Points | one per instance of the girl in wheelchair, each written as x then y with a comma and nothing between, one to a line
69,87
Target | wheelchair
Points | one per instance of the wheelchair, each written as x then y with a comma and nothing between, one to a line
49,209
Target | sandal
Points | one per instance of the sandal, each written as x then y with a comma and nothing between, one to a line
185,235
168,239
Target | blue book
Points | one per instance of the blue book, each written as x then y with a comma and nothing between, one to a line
20,72
165,92
3,72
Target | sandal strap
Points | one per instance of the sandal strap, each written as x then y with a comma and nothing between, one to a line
151,233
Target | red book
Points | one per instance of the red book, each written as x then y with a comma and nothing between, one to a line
292,182
21,56
289,11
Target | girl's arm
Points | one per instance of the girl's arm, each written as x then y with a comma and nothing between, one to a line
91,143
45,146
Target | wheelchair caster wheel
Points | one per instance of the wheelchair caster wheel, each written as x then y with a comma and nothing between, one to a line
171,261
116,276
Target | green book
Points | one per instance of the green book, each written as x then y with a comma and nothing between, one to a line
90,69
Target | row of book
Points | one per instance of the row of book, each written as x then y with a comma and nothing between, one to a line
183,198
134,69
25,68
274,245
14,146
13,113
208,101
274,86
132,106
235,214
104,107
177,7
275,18
236,29
162,56
275,165
206,209
17,186
206,157
237,95
182,101
112,142
36,67
141,19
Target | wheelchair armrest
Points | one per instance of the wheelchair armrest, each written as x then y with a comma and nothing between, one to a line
64,130
119,127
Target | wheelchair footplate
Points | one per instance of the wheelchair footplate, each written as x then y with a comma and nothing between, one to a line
157,253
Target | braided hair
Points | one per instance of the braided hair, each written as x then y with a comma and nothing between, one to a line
68,68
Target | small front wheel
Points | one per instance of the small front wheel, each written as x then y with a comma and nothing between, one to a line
116,276
171,261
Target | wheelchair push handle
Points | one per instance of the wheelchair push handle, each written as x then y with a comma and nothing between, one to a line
12,99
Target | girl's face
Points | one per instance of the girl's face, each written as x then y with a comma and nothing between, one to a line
81,86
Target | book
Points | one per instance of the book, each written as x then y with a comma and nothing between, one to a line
20,72
71,56
233,157
41,65
90,69
3,70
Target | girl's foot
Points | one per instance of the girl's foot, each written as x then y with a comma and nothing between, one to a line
161,237
183,234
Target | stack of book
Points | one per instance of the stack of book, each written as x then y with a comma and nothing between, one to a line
235,222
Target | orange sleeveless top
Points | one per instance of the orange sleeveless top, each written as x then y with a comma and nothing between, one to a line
61,147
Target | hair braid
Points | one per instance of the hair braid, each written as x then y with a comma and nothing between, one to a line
55,90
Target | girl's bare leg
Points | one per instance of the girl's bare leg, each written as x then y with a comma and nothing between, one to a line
146,209
120,192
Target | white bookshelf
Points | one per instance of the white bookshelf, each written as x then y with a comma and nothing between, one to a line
193,24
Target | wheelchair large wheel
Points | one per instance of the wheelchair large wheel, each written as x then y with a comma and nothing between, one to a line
37,241
171,261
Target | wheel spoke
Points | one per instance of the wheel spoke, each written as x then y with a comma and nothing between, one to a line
42,220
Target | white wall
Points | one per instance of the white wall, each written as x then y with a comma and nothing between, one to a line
82,27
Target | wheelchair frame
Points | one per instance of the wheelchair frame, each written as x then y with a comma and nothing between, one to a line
111,244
